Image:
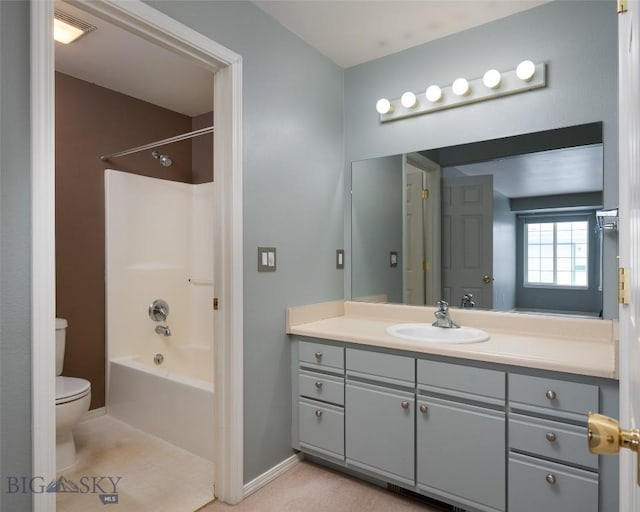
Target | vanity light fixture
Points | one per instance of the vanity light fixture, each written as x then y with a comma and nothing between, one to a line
383,106
525,70
409,100
528,76
460,87
67,28
434,93
492,79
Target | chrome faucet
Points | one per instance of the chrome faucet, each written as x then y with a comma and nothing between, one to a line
442,316
467,302
163,329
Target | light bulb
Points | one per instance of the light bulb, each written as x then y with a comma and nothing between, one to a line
492,78
383,106
460,87
434,93
525,70
408,100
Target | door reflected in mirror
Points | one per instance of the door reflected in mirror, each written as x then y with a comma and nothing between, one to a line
510,222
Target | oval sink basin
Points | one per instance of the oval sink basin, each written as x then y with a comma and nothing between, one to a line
431,334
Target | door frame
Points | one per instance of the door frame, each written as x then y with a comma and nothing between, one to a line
151,24
433,226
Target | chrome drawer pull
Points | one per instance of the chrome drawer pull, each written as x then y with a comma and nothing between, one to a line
551,437
404,404
551,479
424,409
318,355
318,413
319,385
551,395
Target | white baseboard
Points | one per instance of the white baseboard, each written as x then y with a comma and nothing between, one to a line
270,475
94,413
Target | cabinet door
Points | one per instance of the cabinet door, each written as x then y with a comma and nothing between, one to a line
461,452
379,430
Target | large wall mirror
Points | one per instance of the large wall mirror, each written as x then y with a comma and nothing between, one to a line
510,221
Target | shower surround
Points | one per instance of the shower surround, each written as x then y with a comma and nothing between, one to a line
159,245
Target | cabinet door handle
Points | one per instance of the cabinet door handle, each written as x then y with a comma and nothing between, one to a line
550,478
318,355
551,437
404,404
318,413
318,384
550,394
424,409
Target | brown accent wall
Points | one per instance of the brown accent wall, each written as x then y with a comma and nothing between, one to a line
92,121
202,153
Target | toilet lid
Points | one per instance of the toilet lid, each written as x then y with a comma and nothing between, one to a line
69,389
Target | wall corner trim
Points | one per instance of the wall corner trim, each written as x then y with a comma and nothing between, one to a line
271,474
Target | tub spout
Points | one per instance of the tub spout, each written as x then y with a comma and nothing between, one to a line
163,329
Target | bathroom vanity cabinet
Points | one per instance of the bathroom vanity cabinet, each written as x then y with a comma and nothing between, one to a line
481,436
549,465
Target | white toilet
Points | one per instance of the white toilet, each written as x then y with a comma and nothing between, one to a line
73,397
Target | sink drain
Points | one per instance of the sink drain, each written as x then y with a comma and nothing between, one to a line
158,359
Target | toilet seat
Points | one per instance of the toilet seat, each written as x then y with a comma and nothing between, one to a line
70,389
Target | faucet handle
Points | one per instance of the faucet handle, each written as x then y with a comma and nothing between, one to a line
443,305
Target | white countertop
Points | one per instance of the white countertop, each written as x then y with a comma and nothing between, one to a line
581,346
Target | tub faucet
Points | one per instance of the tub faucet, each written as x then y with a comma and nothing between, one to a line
163,329
442,316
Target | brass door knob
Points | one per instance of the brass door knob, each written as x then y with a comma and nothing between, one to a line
606,437
487,279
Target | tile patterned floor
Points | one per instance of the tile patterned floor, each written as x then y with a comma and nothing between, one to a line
156,476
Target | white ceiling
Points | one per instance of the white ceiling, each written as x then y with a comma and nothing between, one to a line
351,32
348,32
116,59
559,171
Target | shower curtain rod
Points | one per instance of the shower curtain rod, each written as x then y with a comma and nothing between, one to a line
151,145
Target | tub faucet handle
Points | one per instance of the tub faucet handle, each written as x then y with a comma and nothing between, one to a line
159,310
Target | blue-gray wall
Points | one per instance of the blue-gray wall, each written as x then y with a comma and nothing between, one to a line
293,200
15,343
578,42
504,254
377,217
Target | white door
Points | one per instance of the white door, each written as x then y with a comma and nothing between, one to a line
414,228
629,239
467,239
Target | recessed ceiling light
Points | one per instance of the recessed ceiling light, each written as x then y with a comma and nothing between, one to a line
67,28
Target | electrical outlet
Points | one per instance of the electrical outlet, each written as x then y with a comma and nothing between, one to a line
340,259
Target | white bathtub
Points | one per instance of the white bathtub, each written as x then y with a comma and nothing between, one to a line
162,402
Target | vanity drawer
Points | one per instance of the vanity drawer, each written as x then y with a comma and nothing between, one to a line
529,393
321,356
321,428
536,486
383,367
462,381
560,441
321,387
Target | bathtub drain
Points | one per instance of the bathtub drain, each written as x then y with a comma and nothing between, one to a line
158,359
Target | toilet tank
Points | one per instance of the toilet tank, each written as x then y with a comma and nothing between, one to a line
61,334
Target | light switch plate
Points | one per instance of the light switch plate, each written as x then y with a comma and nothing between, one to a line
340,259
266,259
393,259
